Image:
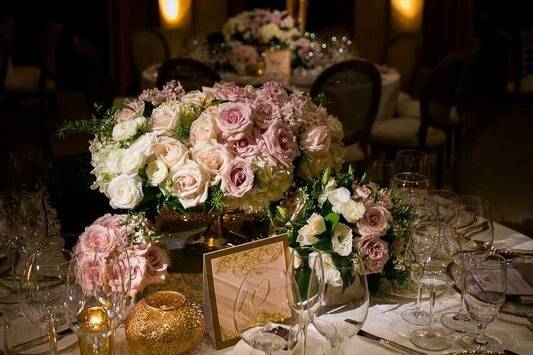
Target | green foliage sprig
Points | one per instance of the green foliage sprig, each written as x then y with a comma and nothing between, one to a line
100,124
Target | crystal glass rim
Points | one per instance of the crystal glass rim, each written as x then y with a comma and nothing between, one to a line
409,177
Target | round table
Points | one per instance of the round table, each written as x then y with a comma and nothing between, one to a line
384,319
303,79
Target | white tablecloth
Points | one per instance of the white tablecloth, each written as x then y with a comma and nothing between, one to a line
384,319
390,85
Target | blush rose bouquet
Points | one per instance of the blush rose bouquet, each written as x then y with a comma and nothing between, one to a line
223,148
352,222
122,238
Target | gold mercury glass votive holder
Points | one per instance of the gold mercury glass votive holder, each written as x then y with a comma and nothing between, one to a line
95,337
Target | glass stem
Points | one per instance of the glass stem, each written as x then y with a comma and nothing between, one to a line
418,305
480,338
52,341
305,327
432,307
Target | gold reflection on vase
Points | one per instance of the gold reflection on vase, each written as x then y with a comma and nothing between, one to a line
164,323
94,337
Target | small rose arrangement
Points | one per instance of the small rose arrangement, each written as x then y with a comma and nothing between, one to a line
351,222
224,147
123,237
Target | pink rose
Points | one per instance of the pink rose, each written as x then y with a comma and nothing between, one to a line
90,270
132,109
237,178
230,92
384,200
281,143
375,221
138,268
157,264
266,112
171,152
111,220
377,252
234,120
97,238
246,146
316,140
203,128
363,191
212,157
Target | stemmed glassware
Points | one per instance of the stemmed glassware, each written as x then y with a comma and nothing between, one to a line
381,172
434,276
42,290
447,203
411,161
305,295
485,284
410,186
344,305
262,312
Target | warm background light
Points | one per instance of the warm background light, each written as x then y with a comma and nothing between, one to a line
175,13
406,15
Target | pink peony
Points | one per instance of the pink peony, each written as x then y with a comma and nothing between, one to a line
316,140
281,143
266,111
97,238
376,251
234,120
363,192
230,92
375,221
237,178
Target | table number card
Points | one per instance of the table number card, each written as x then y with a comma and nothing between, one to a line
224,271
278,65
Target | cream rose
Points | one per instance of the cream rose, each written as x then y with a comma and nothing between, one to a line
156,172
165,118
125,191
352,210
308,234
316,140
171,152
131,162
124,130
113,161
342,240
190,184
195,97
143,145
213,157
203,128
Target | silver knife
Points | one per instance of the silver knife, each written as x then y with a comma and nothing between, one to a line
390,344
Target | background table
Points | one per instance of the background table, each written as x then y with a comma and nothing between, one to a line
384,319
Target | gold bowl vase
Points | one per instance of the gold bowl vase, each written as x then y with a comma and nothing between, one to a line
164,323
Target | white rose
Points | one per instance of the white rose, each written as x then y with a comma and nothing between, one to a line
125,191
190,184
316,140
342,239
195,97
352,210
213,157
156,171
332,276
338,197
203,128
165,118
113,161
124,130
144,144
171,152
330,186
131,162
307,235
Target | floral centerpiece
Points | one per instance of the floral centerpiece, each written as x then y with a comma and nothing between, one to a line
352,223
224,148
129,236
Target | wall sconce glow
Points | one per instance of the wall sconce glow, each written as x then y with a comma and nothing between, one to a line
175,13
407,14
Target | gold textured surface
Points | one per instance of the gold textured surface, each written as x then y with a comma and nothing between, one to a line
164,323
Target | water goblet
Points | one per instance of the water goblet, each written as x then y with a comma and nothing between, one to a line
410,185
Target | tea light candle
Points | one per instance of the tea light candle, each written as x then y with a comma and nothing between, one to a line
94,323
94,320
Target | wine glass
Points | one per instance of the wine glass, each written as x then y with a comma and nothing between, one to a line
410,185
474,223
411,161
42,290
305,295
84,312
381,172
262,312
345,302
435,277
485,284
447,203
419,252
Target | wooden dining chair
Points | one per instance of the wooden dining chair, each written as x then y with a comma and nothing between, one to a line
352,90
428,132
192,74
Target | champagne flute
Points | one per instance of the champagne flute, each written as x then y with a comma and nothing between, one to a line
262,312
435,277
485,284
345,302
42,290
305,295
411,161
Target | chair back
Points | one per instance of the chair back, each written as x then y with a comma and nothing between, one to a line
192,74
352,91
403,53
147,47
